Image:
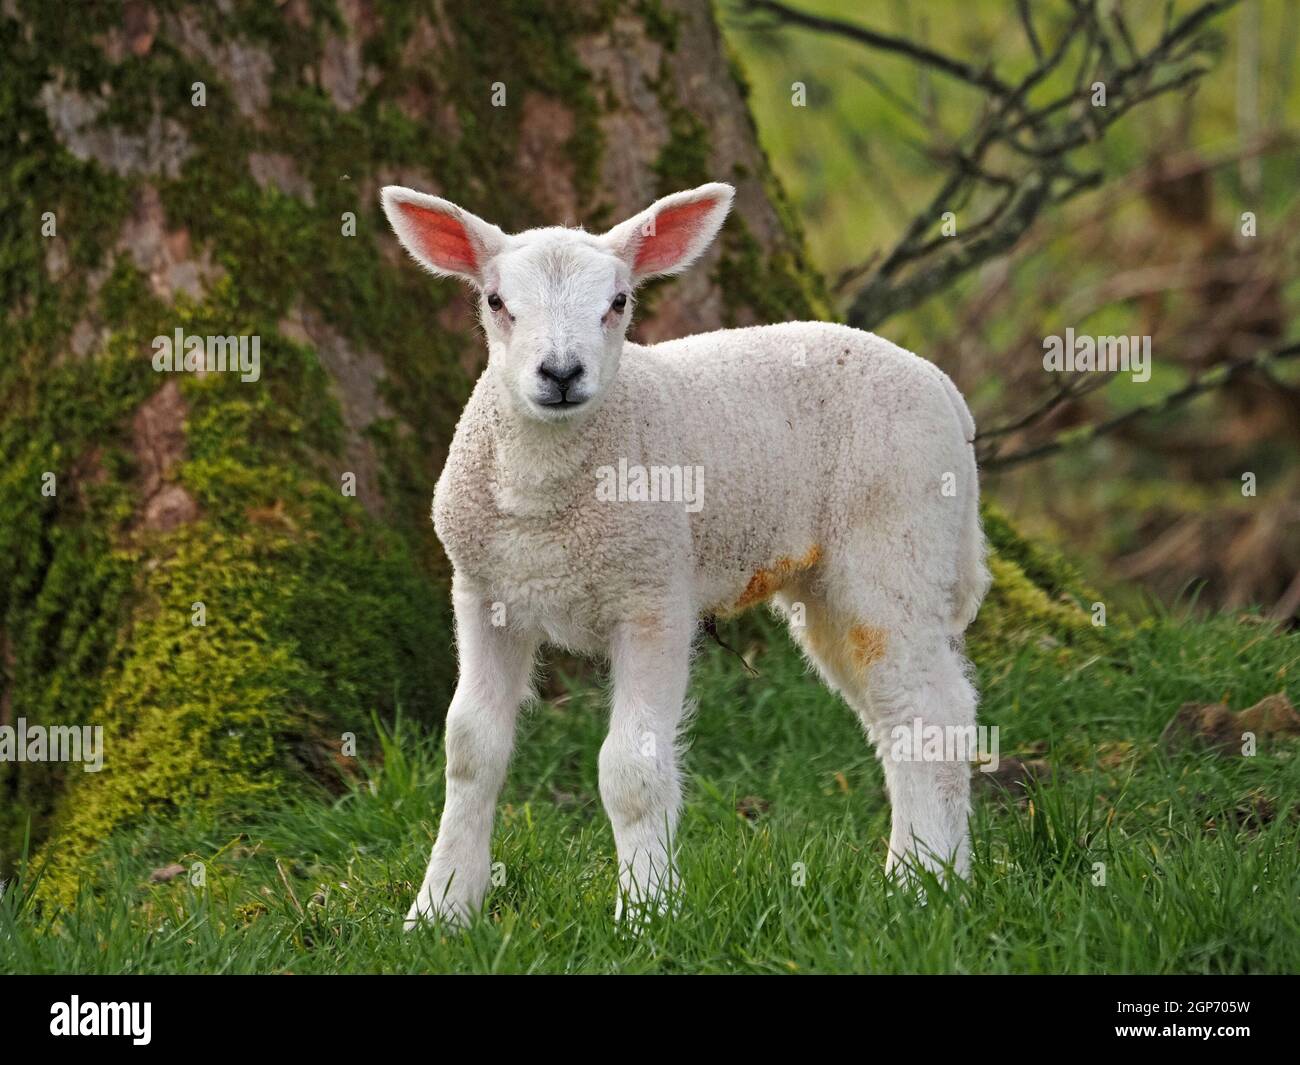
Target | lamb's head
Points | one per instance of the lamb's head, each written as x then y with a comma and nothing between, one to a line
555,303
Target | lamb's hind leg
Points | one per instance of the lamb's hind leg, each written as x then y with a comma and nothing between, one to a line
900,684
922,721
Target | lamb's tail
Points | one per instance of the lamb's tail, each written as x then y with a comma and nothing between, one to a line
973,577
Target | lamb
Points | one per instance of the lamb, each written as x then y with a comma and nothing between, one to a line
834,477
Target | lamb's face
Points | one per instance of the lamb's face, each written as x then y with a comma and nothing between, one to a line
556,302
555,306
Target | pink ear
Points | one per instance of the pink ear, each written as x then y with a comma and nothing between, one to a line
671,233
676,231
441,238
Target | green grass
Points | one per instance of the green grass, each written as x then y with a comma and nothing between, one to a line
1195,882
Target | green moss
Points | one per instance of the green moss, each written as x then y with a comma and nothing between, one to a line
1016,613
315,615
778,286
1037,598
257,697
756,285
1046,568
62,594
661,26
535,54
772,286
685,159
318,615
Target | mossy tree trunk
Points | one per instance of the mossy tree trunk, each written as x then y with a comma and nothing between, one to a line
181,562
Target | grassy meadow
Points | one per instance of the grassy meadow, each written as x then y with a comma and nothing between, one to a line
1201,851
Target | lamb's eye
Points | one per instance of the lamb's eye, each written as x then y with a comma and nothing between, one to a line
620,301
495,301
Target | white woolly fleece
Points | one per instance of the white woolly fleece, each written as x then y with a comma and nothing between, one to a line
817,443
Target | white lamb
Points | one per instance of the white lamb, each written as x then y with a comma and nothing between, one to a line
829,471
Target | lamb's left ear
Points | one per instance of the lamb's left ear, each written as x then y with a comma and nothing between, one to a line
671,233
445,239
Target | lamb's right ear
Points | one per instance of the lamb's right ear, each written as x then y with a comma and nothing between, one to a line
445,239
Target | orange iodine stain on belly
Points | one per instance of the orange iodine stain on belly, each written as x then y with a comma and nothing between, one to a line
866,645
769,580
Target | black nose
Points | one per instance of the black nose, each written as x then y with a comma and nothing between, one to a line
562,378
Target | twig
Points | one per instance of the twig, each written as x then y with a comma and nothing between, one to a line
1022,6
1074,388
1043,135
1216,378
885,42
709,623
284,879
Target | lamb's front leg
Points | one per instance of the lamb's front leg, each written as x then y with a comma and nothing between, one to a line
639,779
494,676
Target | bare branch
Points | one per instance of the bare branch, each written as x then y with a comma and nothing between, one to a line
1216,378
983,79
1022,6
1074,388
1043,137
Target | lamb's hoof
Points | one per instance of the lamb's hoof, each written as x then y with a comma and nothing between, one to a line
910,878
634,916
424,914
